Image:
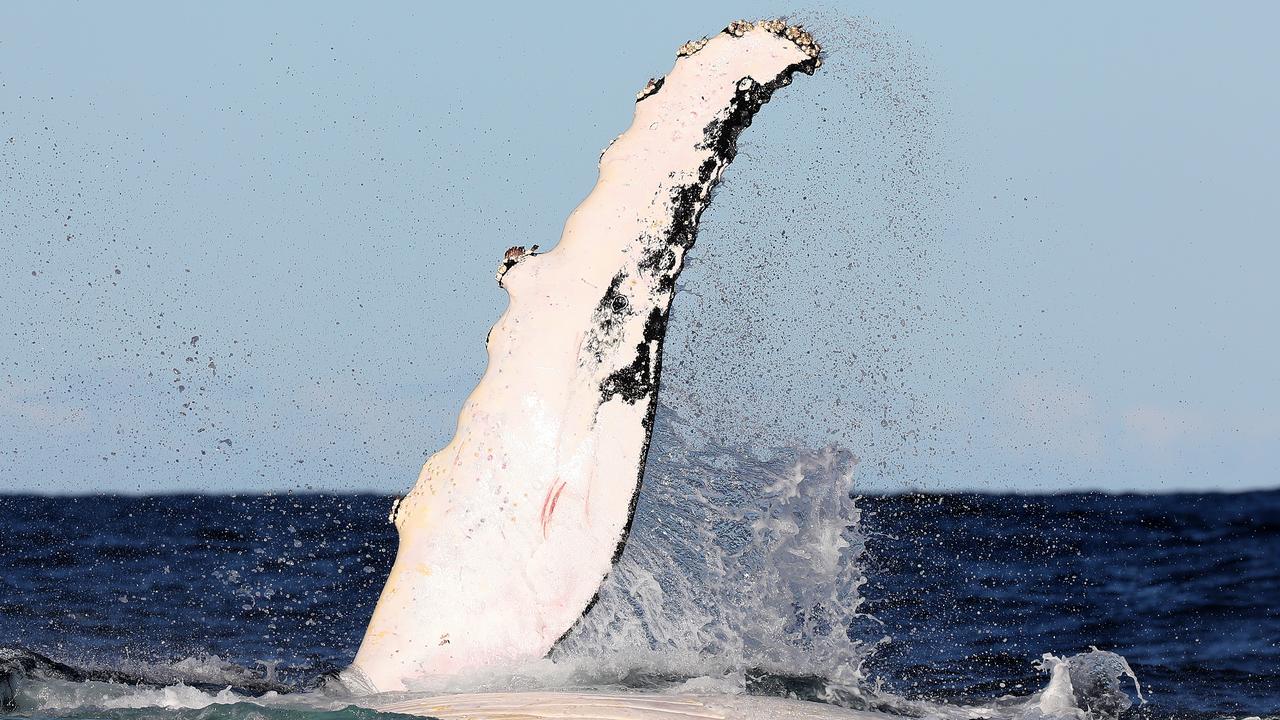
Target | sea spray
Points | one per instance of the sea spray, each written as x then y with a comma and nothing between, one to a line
742,566
1086,685
813,314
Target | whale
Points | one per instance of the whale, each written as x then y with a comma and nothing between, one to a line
511,528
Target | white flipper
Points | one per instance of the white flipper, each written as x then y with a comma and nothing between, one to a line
512,527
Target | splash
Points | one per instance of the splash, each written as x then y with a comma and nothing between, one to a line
1084,686
743,568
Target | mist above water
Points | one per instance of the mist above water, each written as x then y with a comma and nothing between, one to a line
809,311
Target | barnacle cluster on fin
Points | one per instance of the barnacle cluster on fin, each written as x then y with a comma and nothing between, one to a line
649,88
513,256
795,33
691,47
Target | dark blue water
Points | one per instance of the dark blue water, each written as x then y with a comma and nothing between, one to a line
971,589
1184,586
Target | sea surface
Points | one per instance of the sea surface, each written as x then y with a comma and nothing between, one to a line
963,592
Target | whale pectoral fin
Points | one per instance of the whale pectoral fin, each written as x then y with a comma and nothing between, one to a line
565,408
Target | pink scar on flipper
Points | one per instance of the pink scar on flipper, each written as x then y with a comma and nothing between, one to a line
549,505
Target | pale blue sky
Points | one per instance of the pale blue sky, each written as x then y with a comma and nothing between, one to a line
321,194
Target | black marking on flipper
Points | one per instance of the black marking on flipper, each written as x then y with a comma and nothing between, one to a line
639,379
613,308
659,260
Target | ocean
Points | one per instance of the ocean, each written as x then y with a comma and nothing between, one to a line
958,595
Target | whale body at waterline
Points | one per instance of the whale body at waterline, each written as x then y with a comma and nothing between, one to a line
620,706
